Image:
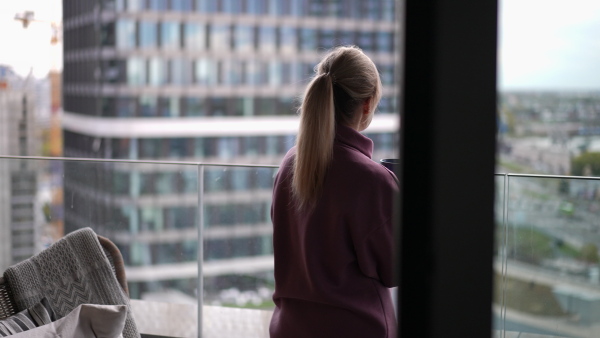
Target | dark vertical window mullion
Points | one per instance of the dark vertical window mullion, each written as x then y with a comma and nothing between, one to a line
447,173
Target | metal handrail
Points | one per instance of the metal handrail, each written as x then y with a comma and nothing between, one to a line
103,160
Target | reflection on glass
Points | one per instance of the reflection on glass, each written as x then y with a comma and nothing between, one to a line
232,6
126,106
168,107
275,73
308,39
244,208
267,41
125,33
255,7
194,36
136,71
157,5
244,37
366,41
158,70
219,37
327,39
148,106
169,35
288,40
181,5
194,106
385,42
147,34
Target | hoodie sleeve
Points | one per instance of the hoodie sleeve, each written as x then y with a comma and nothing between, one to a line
373,236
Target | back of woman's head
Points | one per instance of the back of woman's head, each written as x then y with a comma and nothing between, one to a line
345,79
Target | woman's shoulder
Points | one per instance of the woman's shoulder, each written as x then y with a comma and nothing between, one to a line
364,170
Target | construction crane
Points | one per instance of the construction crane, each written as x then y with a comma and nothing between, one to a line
27,17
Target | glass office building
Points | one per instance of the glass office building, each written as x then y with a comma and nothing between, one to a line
211,81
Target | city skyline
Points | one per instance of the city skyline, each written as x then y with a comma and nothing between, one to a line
543,45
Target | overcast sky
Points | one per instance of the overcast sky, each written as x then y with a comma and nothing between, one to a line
543,44
549,44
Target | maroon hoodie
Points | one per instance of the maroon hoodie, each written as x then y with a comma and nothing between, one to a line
333,265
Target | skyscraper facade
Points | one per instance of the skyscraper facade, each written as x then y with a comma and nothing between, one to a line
18,179
212,81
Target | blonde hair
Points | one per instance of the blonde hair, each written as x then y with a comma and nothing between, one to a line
344,79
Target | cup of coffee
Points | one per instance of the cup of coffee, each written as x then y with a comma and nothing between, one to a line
392,164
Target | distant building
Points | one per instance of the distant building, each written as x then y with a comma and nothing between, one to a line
18,179
198,80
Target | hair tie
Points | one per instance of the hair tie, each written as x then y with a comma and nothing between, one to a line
330,75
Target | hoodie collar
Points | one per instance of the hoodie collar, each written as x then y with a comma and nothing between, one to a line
352,138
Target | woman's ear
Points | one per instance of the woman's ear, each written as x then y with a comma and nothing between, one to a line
366,108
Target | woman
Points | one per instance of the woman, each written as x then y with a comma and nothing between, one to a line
332,210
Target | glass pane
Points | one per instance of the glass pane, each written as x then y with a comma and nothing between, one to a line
148,210
237,230
147,31
169,35
125,34
244,38
551,256
219,37
195,36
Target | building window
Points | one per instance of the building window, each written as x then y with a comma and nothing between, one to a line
133,5
206,6
194,106
148,106
158,5
385,42
244,38
253,76
388,10
277,7
147,34
288,40
178,148
168,107
298,7
255,7
136,72
205,72
125,34
158,70
365,41
327,39
177,71
194,36
231,72
232,6
218,106
219,37
275,70
267,39
126,107
149,148
181,5
386,73
107,37
169,35
308,39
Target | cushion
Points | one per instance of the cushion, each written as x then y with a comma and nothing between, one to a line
86,320
37,315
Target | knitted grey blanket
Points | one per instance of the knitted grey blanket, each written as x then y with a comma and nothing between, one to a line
71,272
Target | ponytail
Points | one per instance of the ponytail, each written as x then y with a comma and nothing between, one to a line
314,144
345,78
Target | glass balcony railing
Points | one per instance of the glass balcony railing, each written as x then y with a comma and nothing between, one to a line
547,272
197,241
